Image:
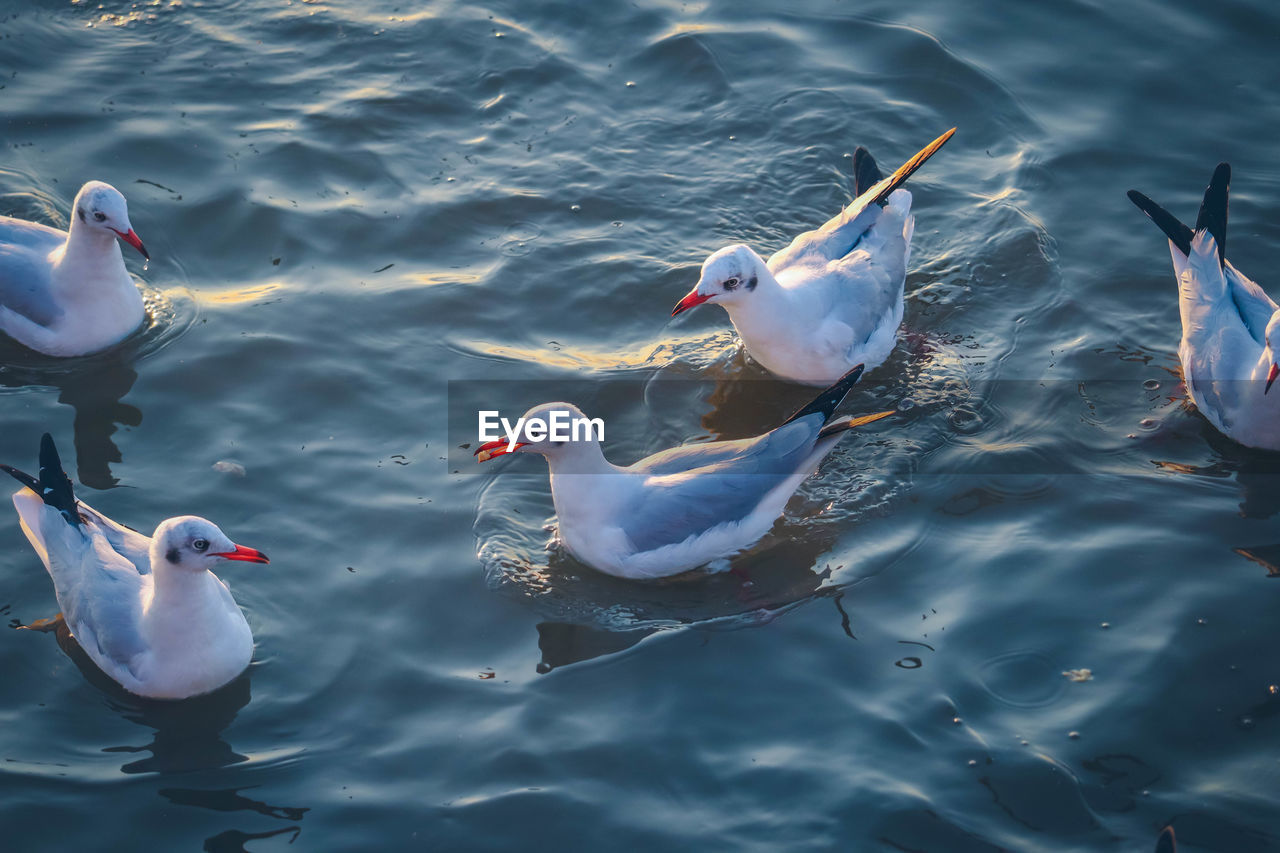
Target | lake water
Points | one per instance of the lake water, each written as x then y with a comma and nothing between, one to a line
368,219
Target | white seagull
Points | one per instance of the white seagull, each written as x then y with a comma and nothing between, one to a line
148,611
833,298
68,293
1229,325
686,506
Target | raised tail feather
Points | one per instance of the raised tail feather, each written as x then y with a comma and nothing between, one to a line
1212,217
907,169
840,425
1213,210
53,487
866,173
828,400
1177,232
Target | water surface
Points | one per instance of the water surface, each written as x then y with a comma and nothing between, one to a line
366,216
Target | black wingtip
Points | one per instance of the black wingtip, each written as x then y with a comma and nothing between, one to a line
828,400
1167,843
908,168
1177,232
55,488
866,174
1213,210
22,477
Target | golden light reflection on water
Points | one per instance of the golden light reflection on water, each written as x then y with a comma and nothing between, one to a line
241,296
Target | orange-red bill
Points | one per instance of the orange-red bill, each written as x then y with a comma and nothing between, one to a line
691,300
134,240
1271,377
248,555
490,449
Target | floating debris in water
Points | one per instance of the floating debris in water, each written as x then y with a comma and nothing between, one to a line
226,466
1078,674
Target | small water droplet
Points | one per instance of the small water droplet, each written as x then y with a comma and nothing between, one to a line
1025,743
631,84
1246,722
906,404
1147,422
957,720
973,763
1105,625
1151,384
1201,621
1132,435
575,207
1073,735
1273,689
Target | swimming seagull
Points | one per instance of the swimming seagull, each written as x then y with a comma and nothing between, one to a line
683,507
68,293
833,298
1229,325
148,611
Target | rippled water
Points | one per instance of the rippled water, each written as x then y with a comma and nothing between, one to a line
366,217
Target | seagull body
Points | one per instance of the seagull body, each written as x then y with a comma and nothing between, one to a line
146,610
683,507
1229,324
833,298
67,293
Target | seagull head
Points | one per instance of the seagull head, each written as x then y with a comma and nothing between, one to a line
729,276
194,544
101,207
556,430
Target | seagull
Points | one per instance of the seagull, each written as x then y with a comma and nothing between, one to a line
833,298
68,293
1229,325
683,507
148,611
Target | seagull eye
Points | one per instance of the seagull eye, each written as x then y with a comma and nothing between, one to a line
730,283
100,216
200,545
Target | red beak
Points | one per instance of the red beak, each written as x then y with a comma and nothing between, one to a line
490,449
691,300
248,555
134,240
1271,377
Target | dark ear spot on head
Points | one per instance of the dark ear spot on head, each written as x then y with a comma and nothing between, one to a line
751,283
80,213
171,555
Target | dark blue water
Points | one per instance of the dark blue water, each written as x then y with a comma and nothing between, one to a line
369,218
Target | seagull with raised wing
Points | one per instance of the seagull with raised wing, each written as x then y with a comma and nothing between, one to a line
833,298
1229,325
683,507
68,293
147,610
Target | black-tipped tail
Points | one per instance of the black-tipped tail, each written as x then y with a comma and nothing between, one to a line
866,174
908,168
829,400
1213,210
54,488
22,477
1166,843
1177,232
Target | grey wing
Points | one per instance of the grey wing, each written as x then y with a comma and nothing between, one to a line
686,457
837,238
99,592
25,274
1252,302
124,540
676,506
